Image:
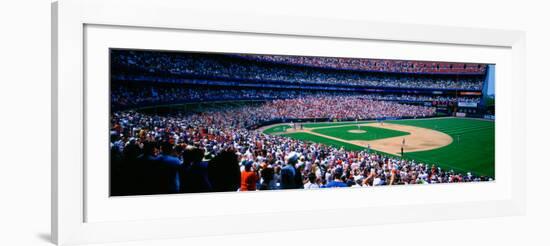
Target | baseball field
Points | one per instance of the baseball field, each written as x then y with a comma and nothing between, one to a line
459,144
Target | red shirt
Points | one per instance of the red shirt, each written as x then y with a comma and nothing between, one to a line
248,180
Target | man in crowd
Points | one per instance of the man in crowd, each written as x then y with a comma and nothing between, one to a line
194,176
168,169
337,181
224,171
146,172
249,177
312,182
267,174
288,172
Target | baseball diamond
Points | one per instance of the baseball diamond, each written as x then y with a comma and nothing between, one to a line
427,140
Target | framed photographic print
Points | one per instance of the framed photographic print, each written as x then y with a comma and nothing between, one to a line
174,125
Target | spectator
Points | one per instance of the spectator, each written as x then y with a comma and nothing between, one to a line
337,182
146,171
168,170
267,177
288,172
312,182
224,171
195,172
249,178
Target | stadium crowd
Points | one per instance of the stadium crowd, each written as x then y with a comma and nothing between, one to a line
230,67
142,95
398,66
215,151
341,107
139,95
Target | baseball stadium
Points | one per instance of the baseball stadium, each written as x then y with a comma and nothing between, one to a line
192,122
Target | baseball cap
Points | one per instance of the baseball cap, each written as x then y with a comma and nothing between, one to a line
292,157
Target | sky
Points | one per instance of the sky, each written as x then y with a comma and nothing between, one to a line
491,80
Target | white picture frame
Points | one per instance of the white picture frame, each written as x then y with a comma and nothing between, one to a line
79,25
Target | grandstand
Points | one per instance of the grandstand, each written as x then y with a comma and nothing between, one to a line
181,77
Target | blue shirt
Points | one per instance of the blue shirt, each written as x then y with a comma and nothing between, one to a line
172,163
288,177
336,184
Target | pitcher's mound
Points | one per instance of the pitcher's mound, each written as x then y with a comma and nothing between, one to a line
357,131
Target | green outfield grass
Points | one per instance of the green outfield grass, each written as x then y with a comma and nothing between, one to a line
371,133
276,129
318,139
472,149
282,128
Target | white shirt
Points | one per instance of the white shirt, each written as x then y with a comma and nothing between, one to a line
309,185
